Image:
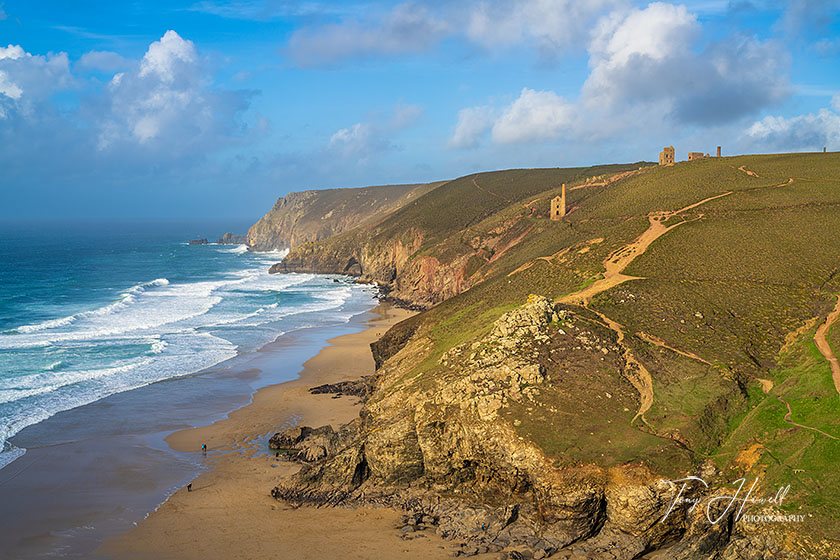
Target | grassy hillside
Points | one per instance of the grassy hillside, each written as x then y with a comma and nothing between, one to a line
702,353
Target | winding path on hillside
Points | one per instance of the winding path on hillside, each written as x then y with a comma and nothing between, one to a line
642,380
614,266
656,341
825,348
789,421
618,260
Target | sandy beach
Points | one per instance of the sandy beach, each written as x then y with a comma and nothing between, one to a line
229,512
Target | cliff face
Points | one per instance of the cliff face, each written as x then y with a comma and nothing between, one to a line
447,240
415,280
306,216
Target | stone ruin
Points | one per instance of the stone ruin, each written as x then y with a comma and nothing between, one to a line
558,205
666,156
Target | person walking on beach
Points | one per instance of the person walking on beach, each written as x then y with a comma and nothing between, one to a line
204,449
189,487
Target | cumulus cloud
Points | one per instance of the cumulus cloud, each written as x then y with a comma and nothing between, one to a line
27,81
804,132
650,57
165,99
364,139
168,57
535,115
473,124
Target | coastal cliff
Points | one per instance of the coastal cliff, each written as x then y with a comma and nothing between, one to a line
671,336
449,239
301,217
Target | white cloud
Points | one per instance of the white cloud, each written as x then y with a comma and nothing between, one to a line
650,57
12,51
473,124
535,115
165,103
167,57
355,139
27,81
835,102
803,132
9,88
364,139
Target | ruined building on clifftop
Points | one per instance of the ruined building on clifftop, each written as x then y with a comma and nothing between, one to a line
558,205
666,156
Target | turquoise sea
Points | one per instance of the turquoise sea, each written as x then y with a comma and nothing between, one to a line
90,310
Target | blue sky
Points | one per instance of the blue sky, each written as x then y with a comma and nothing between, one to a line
212,109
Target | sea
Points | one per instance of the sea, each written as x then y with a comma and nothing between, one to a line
88,310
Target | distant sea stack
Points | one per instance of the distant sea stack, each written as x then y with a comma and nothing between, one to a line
201,241
232,239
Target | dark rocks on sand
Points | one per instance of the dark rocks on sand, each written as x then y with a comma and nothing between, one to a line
306,444
352,388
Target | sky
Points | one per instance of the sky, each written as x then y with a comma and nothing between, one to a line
212,109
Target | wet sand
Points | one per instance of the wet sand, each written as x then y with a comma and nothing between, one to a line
229,512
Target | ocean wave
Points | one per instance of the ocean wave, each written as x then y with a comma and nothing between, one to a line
126,298
270,257
237,250
158,346
193,352
40,384
9,453
55,365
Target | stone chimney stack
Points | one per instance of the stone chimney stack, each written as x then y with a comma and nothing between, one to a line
718,155
558,205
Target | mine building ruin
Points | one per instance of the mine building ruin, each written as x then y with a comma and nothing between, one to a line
666,156
558,205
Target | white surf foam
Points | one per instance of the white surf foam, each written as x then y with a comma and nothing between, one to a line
237,250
